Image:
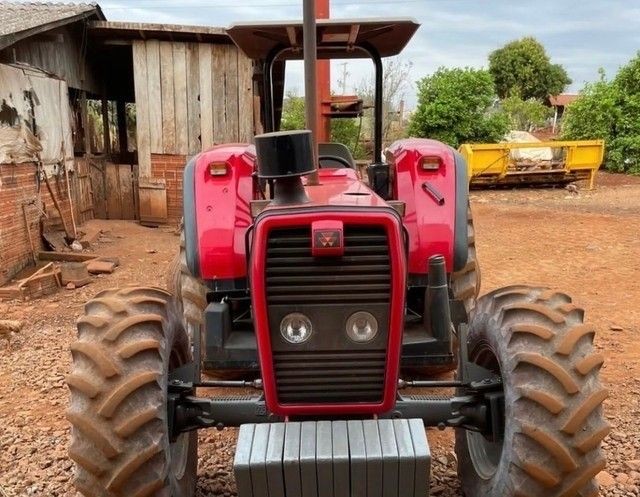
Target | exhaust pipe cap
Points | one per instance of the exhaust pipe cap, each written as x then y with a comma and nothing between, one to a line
284,154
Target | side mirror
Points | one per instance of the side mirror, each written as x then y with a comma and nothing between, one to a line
379,179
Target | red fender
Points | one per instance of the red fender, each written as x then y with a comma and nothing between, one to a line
430,225
223,210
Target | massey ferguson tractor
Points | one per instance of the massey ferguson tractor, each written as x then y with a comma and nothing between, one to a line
320,307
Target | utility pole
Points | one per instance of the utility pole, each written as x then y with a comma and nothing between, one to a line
344,77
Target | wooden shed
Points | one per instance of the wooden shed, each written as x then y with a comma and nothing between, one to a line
98,118
192,89
45,71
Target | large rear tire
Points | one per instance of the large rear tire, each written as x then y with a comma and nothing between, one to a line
128,342
536,340
465,284
191,294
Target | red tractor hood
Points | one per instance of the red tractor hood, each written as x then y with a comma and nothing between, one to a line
338,188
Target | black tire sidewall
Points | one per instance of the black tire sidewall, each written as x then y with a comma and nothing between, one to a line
485,333
179,341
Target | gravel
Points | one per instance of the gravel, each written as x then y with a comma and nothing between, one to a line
35,434
622,476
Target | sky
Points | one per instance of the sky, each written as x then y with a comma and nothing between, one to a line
582,35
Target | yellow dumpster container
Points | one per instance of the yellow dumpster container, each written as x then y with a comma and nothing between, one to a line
507,164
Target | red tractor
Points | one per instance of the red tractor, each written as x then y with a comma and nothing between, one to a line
333,298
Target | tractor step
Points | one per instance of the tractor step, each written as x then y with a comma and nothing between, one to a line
373,458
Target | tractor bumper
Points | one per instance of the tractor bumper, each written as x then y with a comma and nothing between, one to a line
374,458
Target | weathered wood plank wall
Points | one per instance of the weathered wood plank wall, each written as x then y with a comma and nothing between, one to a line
59,52
141,89
189,97
154,92
119,184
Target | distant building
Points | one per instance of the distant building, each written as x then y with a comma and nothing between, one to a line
559,103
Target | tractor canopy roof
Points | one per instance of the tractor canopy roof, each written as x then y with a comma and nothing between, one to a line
336,38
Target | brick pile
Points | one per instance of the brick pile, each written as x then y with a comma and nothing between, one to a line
18,187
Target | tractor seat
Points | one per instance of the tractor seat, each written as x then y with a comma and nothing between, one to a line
336,150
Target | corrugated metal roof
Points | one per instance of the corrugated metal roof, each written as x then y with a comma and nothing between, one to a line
562,100
142,31
17,19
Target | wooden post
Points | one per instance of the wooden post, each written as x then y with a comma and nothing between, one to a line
84,117
56,204
122,127
73,216
105,125
26,223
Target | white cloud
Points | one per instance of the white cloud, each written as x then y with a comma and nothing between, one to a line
582,37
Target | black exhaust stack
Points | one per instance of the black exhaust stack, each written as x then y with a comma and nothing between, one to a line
284,157
437,315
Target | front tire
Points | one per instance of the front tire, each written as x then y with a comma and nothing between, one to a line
128,342
536,340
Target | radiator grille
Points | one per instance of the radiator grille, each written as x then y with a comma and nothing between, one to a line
362,275
360,278
337,376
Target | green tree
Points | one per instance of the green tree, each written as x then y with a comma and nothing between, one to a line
395,83
522,67
593,114
525,115
292,112
456,106
609,110
342,130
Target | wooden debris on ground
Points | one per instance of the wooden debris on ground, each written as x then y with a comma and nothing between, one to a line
71,270
11,292
66,256
44,281
55,239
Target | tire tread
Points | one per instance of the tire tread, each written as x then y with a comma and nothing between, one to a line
116,393
556,412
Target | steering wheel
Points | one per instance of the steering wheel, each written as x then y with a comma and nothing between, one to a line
336,158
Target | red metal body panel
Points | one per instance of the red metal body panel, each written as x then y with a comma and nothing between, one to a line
396,316
430,226
223,211
339,187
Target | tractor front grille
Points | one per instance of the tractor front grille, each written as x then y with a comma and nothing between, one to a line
362,275
329,368
324,377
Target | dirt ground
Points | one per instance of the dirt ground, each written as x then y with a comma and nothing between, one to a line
586,244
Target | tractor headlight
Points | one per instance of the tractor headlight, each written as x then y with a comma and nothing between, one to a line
296,328
362,327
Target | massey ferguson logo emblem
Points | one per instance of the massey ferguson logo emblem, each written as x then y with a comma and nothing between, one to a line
328,239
